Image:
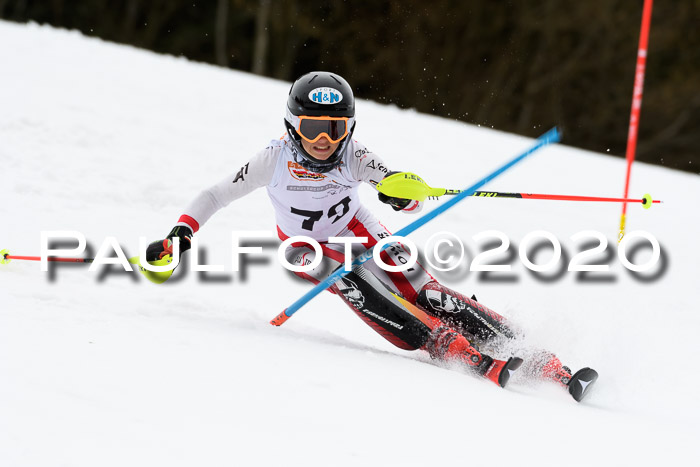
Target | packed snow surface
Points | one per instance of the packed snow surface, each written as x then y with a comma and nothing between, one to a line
107,369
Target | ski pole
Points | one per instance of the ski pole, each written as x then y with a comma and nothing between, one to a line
154,276
552,136
7,257
646,201
410,186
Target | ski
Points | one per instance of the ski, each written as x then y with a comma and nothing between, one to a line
581,382
500,371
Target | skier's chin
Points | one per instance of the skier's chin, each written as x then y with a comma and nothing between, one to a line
320,151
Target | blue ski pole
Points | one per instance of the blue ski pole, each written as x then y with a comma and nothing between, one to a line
552,136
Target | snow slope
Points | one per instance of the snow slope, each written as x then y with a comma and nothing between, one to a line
112,370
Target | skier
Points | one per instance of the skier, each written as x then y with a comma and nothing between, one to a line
312,175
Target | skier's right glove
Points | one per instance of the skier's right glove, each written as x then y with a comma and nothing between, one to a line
158,249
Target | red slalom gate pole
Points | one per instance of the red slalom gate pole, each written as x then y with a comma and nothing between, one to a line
636,105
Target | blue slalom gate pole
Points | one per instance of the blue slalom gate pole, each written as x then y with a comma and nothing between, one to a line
552,136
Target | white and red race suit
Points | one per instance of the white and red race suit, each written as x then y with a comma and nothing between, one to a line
316,205
324,205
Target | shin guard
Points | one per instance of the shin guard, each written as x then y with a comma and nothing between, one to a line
463,313
401,323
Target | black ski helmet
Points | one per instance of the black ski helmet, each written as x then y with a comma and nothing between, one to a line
319,94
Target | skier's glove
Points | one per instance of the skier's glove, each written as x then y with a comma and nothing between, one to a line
397,203
158,249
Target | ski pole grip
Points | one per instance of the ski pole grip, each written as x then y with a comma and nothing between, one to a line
280,319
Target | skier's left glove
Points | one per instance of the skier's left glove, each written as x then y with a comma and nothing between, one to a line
158,249
399,204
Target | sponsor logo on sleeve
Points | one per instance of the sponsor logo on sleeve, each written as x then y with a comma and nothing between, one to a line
241,173
373,165
361,155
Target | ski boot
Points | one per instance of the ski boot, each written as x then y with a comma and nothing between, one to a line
447,344
578,384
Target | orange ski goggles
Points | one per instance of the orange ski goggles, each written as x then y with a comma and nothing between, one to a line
313,128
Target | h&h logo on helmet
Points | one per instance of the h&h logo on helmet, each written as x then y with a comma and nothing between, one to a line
325,96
